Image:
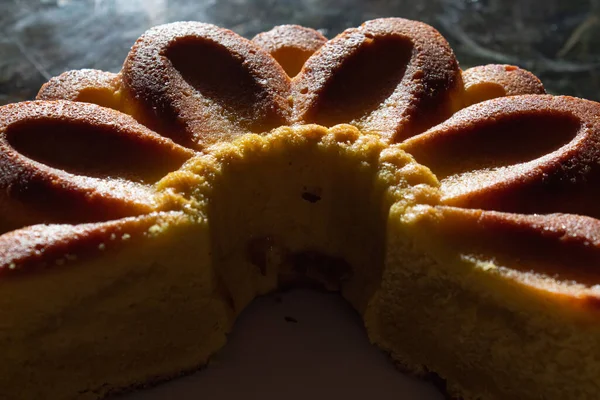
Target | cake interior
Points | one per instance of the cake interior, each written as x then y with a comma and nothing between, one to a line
285,215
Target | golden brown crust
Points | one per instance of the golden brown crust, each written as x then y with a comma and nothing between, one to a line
200,84
49,246
290,45
526,154
390,76
77,162
486,82
86,85
563,246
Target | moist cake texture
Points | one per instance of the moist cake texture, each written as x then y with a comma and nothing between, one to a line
456,211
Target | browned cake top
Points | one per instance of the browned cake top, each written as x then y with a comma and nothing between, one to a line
75,162
49,246
525,154
390,76
485,82
290,45
87,85
199,84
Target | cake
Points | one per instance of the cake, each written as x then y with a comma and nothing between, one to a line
455,210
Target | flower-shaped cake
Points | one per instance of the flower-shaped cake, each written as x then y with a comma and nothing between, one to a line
455,210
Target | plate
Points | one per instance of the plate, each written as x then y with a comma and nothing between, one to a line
300,344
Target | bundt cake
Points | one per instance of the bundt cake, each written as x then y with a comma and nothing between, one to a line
142,211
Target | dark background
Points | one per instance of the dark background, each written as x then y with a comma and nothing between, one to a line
558,40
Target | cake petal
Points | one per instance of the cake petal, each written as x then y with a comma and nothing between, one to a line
290,45
86,85
77,162
390,76
525,154
199,84
486,82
